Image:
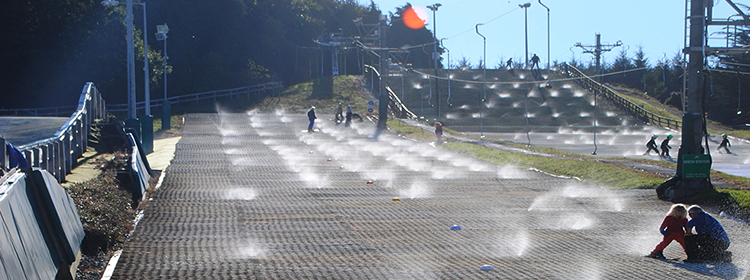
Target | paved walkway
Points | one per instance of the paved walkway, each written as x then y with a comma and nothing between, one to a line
251,196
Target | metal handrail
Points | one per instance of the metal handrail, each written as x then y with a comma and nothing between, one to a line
41,112
65,110
637,110
254,89
57,153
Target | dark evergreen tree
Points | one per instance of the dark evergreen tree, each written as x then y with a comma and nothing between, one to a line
419,41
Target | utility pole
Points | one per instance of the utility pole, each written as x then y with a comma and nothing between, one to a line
597,50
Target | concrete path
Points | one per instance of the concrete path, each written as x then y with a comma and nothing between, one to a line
252,196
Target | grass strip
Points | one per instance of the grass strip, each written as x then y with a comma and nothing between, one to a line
609,175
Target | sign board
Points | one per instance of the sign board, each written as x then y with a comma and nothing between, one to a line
369,106
696,166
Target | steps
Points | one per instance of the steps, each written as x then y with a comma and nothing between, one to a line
510,98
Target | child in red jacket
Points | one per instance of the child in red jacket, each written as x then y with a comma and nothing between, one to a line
673,228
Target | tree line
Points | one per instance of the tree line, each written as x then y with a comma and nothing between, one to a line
52,48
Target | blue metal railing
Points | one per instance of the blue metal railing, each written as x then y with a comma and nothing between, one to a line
231,93
57,153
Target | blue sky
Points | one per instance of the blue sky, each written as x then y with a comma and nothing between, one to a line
656,25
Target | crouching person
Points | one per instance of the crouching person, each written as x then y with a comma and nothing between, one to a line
711,241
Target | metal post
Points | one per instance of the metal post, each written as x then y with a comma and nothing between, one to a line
526,113
131,60
383,106
548,51
435,56
145,62
3,154
692,129
147,123
165,68
595,146
161,35
526,30
598,55
484,85
448,73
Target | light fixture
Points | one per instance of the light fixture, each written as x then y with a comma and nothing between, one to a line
110,3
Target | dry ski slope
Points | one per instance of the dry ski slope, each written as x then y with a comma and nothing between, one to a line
252,196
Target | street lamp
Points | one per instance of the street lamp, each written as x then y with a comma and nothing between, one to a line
448,72
146,136
484,83
484,63
161,35
434,8
112,3
130,54
526,30
548,53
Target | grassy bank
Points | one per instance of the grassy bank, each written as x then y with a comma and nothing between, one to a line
567,164
588,170
598,173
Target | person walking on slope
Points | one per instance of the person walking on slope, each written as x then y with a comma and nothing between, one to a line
339,114
651,145
673,229
311,116
724,144
665,147
439,133
348,115
534,62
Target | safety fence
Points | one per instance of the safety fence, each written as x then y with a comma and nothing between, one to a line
396,106
637,110
58,153
257,90
40,225
39,112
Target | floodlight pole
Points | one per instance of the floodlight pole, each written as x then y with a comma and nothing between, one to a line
526,30
434,9
484,84
145,62
161,35
131,60
548,51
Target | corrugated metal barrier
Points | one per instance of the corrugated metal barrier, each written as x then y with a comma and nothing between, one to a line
41,231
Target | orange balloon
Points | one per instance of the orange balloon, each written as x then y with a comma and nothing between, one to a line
412,20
